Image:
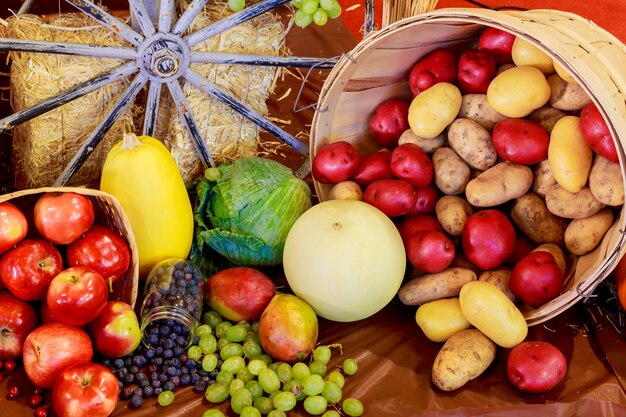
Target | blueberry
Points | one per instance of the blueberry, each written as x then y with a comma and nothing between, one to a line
199,386
177,351
133,369
144,383
168,354
168,385
128,361
120,374
149,353
158,361
136,401
155,383
164,330
153,339
167,344
118,363
126,393
138,391
157,391
191,364
129,379
140,376
162,377
139,360
185,380
148,391
175,380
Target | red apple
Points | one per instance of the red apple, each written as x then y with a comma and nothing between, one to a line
596,132
13,226
62,217
17,319
27,269
77,295
488,238
429,251
335,162
239,293
103,250
44,312
52,347
372,167
475,72
390,120
410,163
498,43
87,389
536,278
115,332
535,367
438,66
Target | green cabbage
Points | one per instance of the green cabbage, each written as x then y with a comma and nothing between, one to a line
246,213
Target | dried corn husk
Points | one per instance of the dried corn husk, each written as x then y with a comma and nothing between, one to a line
394,10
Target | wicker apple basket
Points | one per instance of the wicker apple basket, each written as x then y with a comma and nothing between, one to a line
108,212
378,68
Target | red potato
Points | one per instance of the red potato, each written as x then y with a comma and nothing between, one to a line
429,251
475,72
335,162
426,199
390,120
393,197
520,141
438,66
372,167
596,133
410,163
535,366
488,238
498,43
536,279
417,223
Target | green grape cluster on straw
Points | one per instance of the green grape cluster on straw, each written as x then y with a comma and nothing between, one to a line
315,11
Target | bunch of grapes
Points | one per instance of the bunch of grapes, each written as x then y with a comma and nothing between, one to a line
309,11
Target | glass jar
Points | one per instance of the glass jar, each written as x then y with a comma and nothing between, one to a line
172,304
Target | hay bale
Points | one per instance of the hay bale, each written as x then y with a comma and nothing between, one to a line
43,146
228,135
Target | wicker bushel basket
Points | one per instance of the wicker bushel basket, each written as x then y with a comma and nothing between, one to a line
378,68
108,212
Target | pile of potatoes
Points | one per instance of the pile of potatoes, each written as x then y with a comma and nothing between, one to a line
505,129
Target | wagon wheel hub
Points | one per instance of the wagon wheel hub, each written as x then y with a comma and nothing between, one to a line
164,57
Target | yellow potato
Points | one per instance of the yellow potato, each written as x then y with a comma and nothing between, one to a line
518,91
490,311
500,278
563,73
346,190
566,96
452,212
462,358
583,235
606,182
569,155
499,184
428,145
432,110
440,319
542,178
430,287
525,53
472,143
572,205
451,173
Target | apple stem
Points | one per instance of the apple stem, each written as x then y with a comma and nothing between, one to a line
110,281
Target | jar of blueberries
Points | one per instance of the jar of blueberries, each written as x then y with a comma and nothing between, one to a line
173,297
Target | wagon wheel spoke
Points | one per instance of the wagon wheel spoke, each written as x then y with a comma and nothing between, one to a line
142,17
166,15
122,103
107,20
183,108
73,93
209,88
233,20
261,60
152,108
185,20
66,48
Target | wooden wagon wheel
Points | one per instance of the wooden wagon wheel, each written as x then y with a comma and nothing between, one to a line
160,55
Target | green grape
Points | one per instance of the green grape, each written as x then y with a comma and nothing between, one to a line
231,349
274,366
203,330
337,377
212,174
225,377
313,385
350,366
254,326
309,6
236,5
317,368
284,400
295,388
297,4
213,412
221,328
331,413
245,324
207,344
256,365
284,372
236,333
217,392
315,405
222,342
252,337
236,384
263,404
194,352
275,393
320,17
269,380
240,399
250,411
302,19
300,370
251,348
265,358
322,353
209,362
352,407
245,375
335,11
326,4
332,392
255,388
212,318
234,364
165,398
276,413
